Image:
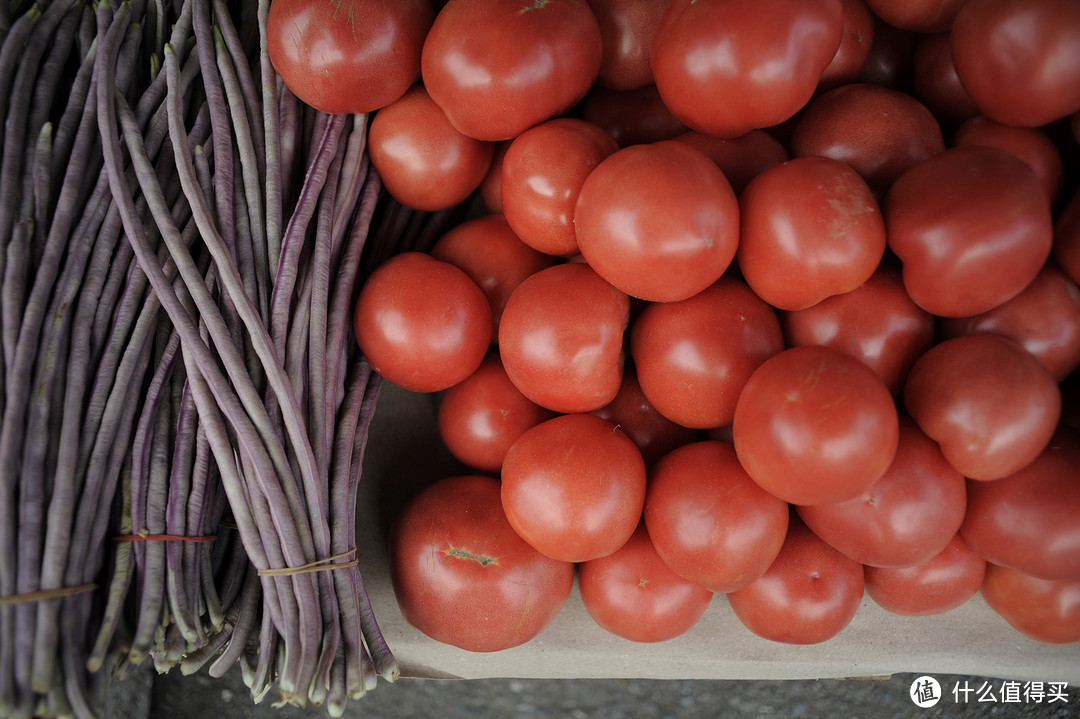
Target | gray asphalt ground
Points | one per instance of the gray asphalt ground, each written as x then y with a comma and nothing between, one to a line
202,697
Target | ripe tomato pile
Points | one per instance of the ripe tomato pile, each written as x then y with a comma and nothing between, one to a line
774,299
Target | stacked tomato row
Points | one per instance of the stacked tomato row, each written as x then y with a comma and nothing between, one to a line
772,299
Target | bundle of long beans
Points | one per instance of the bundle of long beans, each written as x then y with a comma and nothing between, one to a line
184,410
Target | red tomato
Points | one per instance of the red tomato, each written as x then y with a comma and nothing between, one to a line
659,221
653,433
739,158
498,67
724,67
481,416
811,228
574,487
422,340
924,16
694,356
626,31
972,226
491,186
461,574
543,172
1047,610
904,518
891,56
493,256
856,39
1030,144
1028,520
1067,238
348,57
880,132
421,159
1019,59
634,595
561,338
989,404
1044,319
815,425
633,117
876,323
941,583
709,521
808,595
936,84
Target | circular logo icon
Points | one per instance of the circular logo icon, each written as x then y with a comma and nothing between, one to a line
925,692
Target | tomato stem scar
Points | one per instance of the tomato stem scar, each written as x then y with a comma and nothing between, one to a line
465,554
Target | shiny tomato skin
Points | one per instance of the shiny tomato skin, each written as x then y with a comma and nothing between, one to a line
626,32
632,412
1019,59
814,425
543,171
904,518
573,487
633,594
709,521
422,160
422,341
741,158
1046,610
498,67
694,356
1028,520
877,323
633,117
878,131
1044,318
561,338
1030,144
808,595
462,576
990,405
496,259
810,229
348,57
856,39
725,67
972,227
658,221
481,416
935,586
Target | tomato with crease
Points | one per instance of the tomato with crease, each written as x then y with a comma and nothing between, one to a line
694,356
1028,520
1047,610
462,576
351,57
422,341
725,67
972,226
421,159
561,338
496,259
498,67
811,228
990,405
808,595
633,594
543,171
481,416
877,323
904,518
942,583
658,221
709,521
573,487
814,425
